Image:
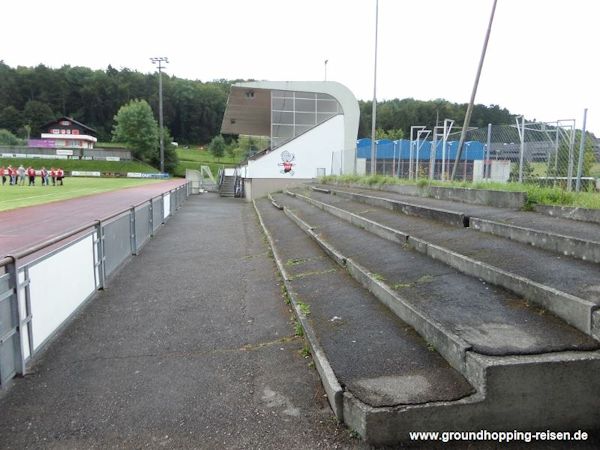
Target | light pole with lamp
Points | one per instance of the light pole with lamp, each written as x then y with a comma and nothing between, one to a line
159,61
374,112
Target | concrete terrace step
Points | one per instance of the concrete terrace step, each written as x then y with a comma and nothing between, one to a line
515,356
487,319
558,234
568,287
357,342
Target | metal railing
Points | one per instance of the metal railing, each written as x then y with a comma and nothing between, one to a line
43,286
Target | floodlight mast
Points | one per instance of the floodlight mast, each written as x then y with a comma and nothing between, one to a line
472,101
159,60
374,111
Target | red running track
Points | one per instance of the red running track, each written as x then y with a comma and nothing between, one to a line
24,227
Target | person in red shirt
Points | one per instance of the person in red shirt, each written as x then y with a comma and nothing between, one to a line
31,175
3,175
15,176
60,174
12,173
53,175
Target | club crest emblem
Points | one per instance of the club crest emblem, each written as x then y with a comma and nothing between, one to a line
287,163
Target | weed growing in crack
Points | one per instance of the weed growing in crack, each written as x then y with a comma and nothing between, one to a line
378,277
298,329
304,308
305,351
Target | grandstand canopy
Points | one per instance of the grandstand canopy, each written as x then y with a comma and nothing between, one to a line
248,111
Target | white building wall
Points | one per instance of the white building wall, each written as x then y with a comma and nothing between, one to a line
311,151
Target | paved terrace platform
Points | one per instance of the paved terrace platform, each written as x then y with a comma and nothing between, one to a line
190,347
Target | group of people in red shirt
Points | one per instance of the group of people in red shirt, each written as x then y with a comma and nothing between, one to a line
16,176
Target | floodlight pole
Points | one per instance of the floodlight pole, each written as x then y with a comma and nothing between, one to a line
374,110
159,60
326,61
472,101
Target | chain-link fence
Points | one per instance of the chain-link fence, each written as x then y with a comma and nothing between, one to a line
547,153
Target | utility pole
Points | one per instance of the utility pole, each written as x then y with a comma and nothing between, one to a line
472,101
374,110
159,61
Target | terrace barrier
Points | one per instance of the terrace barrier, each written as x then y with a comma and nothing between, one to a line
44,286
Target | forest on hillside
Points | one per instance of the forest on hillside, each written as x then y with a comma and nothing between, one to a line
193,110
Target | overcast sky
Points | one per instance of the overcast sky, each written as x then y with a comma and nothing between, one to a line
543,59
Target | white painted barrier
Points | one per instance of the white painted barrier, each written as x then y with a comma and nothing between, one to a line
58,284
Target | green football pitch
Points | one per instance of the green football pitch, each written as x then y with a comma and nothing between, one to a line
18,196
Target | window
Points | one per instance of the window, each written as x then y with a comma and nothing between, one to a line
294,113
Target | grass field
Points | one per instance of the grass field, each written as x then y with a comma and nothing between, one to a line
76,164
12,197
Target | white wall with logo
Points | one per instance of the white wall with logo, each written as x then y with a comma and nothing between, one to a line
311,151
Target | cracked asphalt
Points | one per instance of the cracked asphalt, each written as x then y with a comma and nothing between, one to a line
191,346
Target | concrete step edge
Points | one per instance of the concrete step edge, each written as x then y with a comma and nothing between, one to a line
574,310
330,382
555,242
570,212
453,218
537,404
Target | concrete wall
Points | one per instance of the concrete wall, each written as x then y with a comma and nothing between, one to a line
259,187
311,151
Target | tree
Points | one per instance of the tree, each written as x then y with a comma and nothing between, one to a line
171,158
136,127
392,134
37,114
11,119
7,138
217,146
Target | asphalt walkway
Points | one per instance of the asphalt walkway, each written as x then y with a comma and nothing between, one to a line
191,346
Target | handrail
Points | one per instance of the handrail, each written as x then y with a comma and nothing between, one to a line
11,258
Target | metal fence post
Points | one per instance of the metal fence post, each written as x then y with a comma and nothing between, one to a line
152,217
14,282
101,258
162,208
581,153
132,230
487,167
522,152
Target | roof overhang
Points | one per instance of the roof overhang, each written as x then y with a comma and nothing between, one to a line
248,112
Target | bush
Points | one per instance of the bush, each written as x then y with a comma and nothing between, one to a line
7,138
